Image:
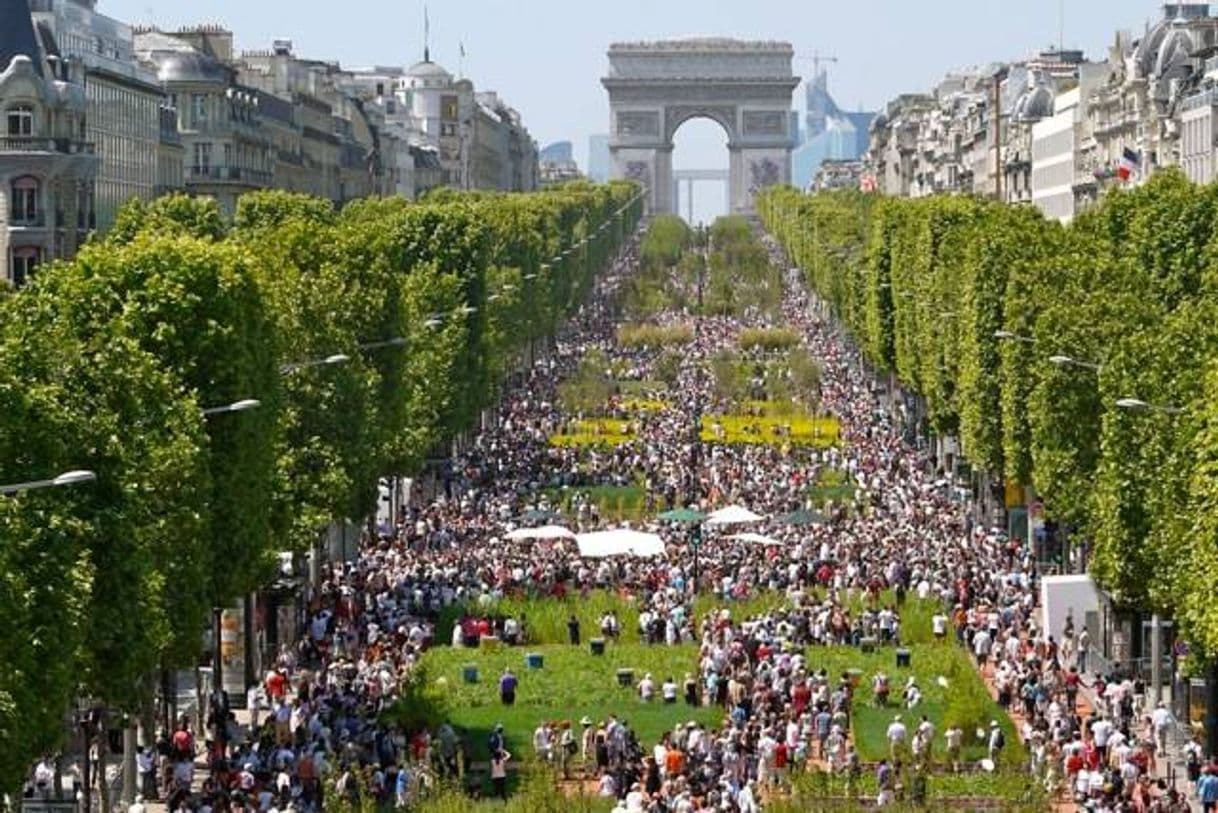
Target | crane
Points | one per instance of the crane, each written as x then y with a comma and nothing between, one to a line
816,59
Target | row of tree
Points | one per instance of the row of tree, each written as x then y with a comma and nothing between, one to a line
369,336
1021,336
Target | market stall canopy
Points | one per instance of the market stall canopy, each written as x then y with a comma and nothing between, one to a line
682,515
802,517
732,515
544,532
619,542
755,539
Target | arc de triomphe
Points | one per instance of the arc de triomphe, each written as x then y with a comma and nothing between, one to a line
654,87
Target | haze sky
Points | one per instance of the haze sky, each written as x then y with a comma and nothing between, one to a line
546,57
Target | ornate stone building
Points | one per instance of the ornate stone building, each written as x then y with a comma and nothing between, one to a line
47,165
126,108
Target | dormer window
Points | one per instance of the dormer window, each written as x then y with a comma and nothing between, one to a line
20,121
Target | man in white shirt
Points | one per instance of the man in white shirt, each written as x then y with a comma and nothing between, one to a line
647,688
1162,720
897,733
1101,730
938,624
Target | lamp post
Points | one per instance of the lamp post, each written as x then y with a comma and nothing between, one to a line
243,405
68,478
1067,361
1008,336
1137,405
331,360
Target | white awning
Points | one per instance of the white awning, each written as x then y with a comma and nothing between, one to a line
544,532
619,542
733,515
755,539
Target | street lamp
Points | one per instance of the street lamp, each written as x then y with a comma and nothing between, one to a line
1006,335
68,478
329,361
396,341
1156,658
236,406
1067,361
1138,405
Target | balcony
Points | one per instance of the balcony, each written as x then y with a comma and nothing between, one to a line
63,146
228,174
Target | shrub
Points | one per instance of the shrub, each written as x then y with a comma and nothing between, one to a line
645,335
768,339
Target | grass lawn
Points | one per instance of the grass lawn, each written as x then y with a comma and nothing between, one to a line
545,618
775,430
573,683
642,389
615,503
595,432
832,485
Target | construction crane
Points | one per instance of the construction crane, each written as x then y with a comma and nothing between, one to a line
816,59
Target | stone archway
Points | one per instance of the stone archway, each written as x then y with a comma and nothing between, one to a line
654,87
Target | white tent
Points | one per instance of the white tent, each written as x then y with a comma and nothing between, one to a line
733,515
619,542
544,532
756,539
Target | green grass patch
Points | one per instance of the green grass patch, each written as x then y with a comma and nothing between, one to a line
782,338
647,389
832,485
595,432
572,684
772,430
646,335
614,503
545,618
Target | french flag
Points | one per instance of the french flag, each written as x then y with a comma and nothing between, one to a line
1129,164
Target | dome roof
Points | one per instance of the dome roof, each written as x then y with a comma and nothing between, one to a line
428,70
1034,104
1147,51
1175,49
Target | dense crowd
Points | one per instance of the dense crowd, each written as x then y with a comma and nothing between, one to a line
319,726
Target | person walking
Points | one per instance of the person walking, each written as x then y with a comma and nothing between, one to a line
573,630
507,688
499,761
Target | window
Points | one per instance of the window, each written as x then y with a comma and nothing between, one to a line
23,208
20,120
448,128
198,107
25,263
448,107
203,158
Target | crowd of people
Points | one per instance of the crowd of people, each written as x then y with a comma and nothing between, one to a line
900,536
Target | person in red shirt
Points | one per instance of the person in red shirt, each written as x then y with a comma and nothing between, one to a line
781,757
801,696
276,684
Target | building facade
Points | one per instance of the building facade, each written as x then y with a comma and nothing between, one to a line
125,105
47,164
1064,124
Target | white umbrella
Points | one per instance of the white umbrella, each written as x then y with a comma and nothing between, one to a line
619,542
544,532
733,515
756,539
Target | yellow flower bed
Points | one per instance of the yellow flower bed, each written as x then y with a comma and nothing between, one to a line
595,432
794,430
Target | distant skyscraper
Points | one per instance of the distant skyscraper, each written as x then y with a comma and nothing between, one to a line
598,158
829,133
560,152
